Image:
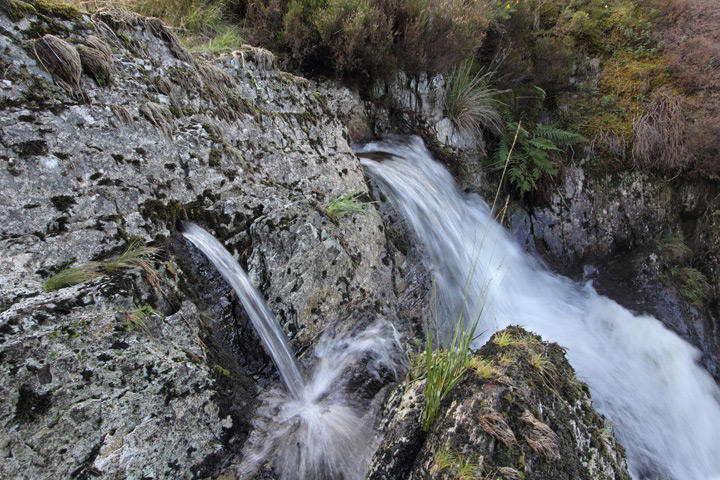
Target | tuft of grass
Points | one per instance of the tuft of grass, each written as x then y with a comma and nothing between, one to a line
135,256
483,368
541,363
465,467
471,103
443,458
445,366
72,276
227,38
348,204
139,319
674,251
694,285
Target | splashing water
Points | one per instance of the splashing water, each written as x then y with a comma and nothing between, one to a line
315,430
326,437
271,334
644,378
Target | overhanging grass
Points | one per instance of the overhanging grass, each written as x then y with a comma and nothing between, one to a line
134,256
471,103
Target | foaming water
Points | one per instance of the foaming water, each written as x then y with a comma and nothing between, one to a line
643,377
315,429
329,436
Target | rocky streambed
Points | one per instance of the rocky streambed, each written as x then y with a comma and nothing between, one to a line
111,132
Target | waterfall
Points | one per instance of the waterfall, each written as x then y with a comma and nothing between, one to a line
271,334
319,431
645,379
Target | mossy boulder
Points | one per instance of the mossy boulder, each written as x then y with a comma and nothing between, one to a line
519,412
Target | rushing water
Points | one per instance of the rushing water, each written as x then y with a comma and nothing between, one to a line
644,378
271,334
316,430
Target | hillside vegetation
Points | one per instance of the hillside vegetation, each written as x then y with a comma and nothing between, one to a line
636,78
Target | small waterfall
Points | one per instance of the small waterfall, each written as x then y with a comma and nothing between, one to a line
316,430
271,334
644,378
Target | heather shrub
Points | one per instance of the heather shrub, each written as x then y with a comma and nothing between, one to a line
360,40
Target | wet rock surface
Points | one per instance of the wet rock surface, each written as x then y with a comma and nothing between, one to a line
612,229
519,413
144,136
139,134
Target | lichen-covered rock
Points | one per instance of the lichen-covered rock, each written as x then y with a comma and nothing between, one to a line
232,143
519,412
605,227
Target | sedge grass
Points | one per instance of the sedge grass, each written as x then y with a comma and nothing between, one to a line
134,256
348,204
445,366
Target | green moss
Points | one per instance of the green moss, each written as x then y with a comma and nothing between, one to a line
16,11
57,10
46,26
214,157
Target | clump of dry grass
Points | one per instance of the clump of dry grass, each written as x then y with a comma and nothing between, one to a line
659,136
494,424
99,44
542,440
123,113
61,60
159,116
95,64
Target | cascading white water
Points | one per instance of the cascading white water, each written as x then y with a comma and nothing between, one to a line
271,334
644,378
318,431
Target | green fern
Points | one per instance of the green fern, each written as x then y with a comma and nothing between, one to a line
532,155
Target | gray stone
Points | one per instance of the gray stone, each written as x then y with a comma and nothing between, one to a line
511,417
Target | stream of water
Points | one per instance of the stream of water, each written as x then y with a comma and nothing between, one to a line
317,430
665,408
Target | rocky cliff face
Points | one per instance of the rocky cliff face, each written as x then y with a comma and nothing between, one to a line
97,153
111,132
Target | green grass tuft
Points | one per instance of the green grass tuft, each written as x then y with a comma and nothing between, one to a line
694,286
445,366
471,103
72,276
135,256
348,204
139,319
227,38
